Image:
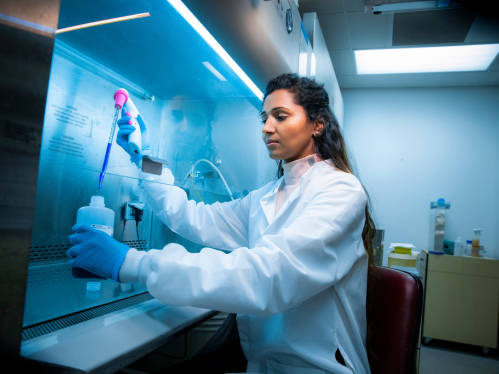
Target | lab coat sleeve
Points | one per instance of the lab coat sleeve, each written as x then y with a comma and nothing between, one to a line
313,253
219,225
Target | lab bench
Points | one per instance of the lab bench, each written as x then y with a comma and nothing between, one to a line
461,302
97,332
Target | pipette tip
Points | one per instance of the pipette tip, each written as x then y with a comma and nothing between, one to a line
101,178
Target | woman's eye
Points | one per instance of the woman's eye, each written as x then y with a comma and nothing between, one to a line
281,118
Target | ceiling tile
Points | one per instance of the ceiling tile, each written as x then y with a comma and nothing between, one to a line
346,81
320,6
485,30
355,5
420,80
491,79
432,27
368,31
335,31
343,62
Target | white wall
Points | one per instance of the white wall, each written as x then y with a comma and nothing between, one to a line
415,145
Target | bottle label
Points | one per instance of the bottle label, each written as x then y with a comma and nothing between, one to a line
108,230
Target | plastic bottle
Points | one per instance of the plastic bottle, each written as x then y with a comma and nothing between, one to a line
467,250
475,244
97,215
459,247
100,218
438,218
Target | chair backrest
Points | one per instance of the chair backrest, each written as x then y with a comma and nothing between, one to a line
394,305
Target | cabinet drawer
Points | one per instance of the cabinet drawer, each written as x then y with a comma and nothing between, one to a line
461,308
462,265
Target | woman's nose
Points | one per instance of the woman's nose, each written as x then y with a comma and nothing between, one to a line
268,127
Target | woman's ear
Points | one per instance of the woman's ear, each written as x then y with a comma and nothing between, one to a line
319,126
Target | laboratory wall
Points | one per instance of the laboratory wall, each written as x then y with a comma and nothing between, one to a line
415,145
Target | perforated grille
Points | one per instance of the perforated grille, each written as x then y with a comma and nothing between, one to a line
73,319
54,252
139,245
50,252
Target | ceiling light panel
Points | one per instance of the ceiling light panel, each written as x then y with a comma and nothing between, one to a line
426,60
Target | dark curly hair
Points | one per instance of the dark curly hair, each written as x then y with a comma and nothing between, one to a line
329,145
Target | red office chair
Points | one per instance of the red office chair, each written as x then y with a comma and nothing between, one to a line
394,305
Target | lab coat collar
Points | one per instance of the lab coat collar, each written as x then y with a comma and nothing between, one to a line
293,171
269,200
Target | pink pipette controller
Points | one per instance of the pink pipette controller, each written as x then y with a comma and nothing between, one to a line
120,98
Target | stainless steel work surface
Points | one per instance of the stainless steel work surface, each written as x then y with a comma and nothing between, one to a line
112,341
53,292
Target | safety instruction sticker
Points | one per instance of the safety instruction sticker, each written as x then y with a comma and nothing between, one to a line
108,230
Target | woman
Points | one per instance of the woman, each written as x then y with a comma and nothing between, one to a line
297,272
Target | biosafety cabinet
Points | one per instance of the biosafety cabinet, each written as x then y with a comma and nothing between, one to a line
196,74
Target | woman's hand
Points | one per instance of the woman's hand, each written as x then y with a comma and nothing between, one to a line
96,252
126,130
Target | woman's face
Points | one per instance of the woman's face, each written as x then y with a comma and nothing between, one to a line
286,132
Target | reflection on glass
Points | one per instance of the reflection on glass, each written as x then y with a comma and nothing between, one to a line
175,79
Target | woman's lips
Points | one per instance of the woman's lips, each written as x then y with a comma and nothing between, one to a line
271,142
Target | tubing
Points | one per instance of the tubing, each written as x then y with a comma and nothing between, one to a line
218,172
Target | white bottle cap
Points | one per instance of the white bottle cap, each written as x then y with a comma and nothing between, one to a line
97,200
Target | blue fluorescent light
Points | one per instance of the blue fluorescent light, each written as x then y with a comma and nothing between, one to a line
426,60
201,30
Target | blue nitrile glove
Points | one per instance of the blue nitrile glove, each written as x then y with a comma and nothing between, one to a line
126,129
96,252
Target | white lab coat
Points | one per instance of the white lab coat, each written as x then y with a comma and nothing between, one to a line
297,281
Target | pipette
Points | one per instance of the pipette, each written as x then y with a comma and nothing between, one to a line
120,98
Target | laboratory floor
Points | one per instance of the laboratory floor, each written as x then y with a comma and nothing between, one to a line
441,357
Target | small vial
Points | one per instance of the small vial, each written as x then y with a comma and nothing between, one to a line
93,286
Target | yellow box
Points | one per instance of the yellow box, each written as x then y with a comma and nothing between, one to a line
402,250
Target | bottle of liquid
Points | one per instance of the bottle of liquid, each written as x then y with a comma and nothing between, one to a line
459,247
467,250
438,216
97,215
475,243
100,218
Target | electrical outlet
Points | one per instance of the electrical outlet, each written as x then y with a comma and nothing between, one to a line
129,212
